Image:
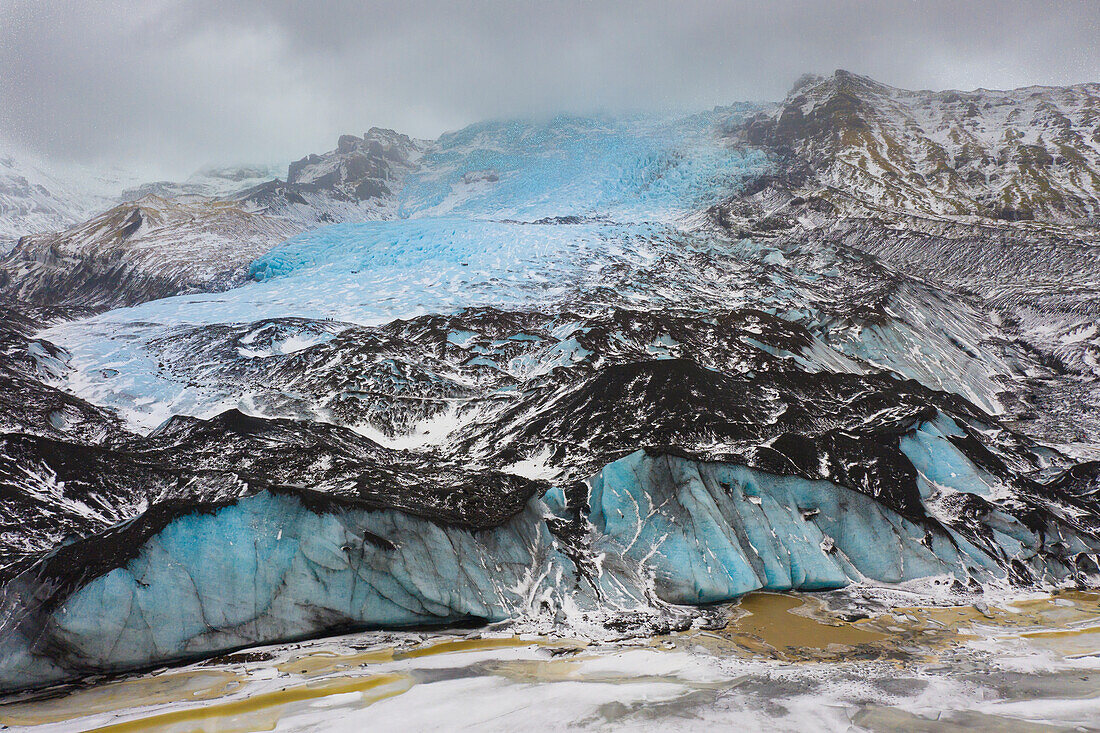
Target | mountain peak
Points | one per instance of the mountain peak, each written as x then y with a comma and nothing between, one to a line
1011,155
820,87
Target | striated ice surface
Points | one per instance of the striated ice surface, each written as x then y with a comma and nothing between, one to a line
940,464
712,531
660,529
376,271
640,167
268,567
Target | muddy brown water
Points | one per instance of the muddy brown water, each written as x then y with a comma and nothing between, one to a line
266,690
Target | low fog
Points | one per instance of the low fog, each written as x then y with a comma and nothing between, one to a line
171,86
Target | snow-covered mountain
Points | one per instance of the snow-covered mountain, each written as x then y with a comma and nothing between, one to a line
141,251
198,235
357,181
36,196
579,375
1020,155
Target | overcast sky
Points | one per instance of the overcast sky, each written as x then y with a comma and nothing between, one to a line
171,86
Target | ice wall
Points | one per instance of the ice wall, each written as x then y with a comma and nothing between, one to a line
659,530
268,567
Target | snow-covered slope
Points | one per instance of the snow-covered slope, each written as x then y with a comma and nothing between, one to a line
36,196
1025,154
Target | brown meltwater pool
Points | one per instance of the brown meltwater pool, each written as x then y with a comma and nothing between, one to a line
850,661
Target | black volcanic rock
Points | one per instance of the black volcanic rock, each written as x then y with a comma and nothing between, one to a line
359,167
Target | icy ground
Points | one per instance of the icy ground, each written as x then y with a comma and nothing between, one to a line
575,205
1024,663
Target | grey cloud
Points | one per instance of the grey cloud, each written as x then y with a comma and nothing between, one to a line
177,84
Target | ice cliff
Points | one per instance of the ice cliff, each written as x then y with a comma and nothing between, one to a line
657,530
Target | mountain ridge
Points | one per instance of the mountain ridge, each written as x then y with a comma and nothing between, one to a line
945,154
951,162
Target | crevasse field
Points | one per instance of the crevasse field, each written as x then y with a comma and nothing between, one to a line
624,183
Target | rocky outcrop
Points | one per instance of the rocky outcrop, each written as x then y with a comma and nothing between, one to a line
363,168
1022,155
141,251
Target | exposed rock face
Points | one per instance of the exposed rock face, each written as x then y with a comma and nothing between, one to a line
362,168
1021,155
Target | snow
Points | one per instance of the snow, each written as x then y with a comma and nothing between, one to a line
537,466
428,432
39,196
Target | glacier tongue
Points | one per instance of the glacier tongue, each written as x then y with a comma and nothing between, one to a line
652,531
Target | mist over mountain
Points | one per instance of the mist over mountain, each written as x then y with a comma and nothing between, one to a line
169,87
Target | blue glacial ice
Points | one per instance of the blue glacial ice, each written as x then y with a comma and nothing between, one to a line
647,171
268,567
374,272
712,531
640,167
946,477
661,530
940,464
363,273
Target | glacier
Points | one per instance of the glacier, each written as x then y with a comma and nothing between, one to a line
672,413
584,213
639,167
580,205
